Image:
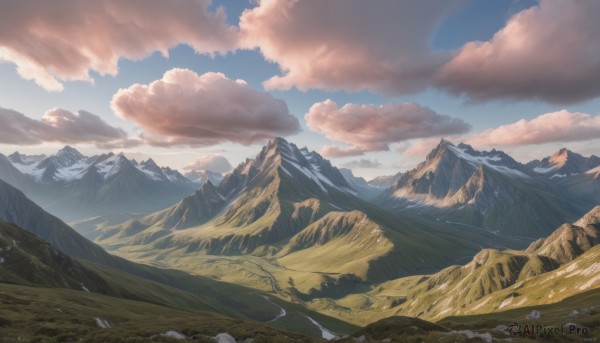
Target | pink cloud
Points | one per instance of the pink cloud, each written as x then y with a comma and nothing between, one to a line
57,125
374,128
184,108
561,126
215,163
61,40
348,44
419,148
549,52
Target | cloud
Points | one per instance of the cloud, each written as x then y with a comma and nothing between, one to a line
184,108
374,128
215,163
362,163
55,41
548,52
57,125
419,148
561,126
348,44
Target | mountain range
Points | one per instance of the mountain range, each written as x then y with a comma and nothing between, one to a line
74,187
465,233
291,205
490,190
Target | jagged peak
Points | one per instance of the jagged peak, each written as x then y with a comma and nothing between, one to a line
68,150
444,142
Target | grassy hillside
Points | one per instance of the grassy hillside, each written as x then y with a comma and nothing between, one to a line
63,315
549,270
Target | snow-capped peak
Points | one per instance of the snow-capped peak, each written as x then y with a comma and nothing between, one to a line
494,159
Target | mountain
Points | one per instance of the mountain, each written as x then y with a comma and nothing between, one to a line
17,209
384,181
203,176
291,210
584,186
549,270
364,189
564,163
11,175
486,189
25,259
74,186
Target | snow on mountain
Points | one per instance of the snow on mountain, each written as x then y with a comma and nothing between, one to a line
202,176
487,189
495,160
595,172
69,165
73,185
564,163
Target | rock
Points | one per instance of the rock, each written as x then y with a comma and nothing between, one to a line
224,337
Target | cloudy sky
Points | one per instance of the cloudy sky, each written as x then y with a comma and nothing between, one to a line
372,85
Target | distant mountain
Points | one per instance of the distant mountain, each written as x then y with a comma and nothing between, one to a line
74,186
364,189
487,189
564,163
384,181
203,176
583,186
290,205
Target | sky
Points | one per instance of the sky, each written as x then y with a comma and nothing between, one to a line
372,86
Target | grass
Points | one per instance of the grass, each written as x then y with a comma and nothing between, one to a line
38,314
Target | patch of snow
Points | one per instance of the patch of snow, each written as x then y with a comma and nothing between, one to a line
506,302
541,170
102,323
84,288
2,260
485,160
328,335
174,335
569,269
589,283
481,304
593,269
560,176
224,337
309,174
30,169
595,172
285,170
152,175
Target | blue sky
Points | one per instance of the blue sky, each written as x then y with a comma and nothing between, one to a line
477,20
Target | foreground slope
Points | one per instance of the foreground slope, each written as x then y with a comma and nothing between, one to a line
131,280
